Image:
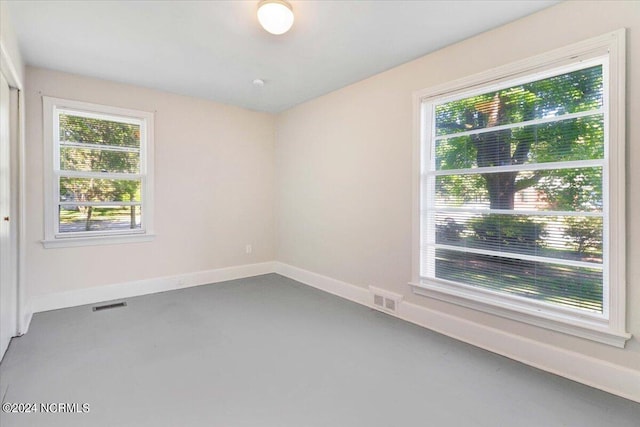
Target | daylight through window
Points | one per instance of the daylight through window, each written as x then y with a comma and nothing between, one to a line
100,172
513,198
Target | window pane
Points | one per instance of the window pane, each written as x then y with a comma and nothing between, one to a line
532,233
556,284
570,238
98,218
81,159
567,140
99,190
573,92
577,190
98,131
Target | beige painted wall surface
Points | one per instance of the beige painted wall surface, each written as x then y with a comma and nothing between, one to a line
343,165
213,188
10,43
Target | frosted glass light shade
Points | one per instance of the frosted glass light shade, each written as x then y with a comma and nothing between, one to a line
275,16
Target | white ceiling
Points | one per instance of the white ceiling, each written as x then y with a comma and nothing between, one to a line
216,49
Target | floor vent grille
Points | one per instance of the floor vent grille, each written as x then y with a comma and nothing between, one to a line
109,306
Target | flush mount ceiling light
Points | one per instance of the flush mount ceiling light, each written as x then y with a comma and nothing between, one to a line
275,16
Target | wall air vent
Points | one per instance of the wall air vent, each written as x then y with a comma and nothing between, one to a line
384,300
378,300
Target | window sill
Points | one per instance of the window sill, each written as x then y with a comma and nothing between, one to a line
530,312
69,242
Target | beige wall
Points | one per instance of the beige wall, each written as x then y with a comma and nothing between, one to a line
343,165
213,188
10,43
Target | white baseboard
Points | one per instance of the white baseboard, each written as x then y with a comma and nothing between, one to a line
578,367
324,283
143,287
25,320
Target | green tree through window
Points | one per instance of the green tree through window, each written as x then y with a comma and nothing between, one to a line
516,182
99,147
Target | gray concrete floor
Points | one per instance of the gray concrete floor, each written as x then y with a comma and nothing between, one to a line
269,351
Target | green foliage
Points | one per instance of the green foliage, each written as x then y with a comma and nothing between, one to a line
567,93
580,138
585,233
516,232
457,190
557,284
449,232
98,131
576,189
572,189
76,129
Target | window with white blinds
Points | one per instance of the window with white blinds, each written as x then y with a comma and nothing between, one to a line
515,192
100,176
513,185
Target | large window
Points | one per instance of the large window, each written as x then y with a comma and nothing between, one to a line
517,195
98,173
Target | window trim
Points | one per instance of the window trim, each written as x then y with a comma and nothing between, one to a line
610,326
52,238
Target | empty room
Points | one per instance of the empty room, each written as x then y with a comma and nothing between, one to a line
354,213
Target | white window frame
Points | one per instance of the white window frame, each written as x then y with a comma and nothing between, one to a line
54,239
608,327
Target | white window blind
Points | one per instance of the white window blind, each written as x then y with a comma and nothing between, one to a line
512,189
519,191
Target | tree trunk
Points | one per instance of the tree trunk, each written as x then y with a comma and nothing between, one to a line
132,212
494,149
132,216
501,188
87,225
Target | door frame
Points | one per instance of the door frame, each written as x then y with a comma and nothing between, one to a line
18,184
8,279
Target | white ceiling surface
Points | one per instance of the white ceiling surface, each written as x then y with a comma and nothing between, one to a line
214,50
